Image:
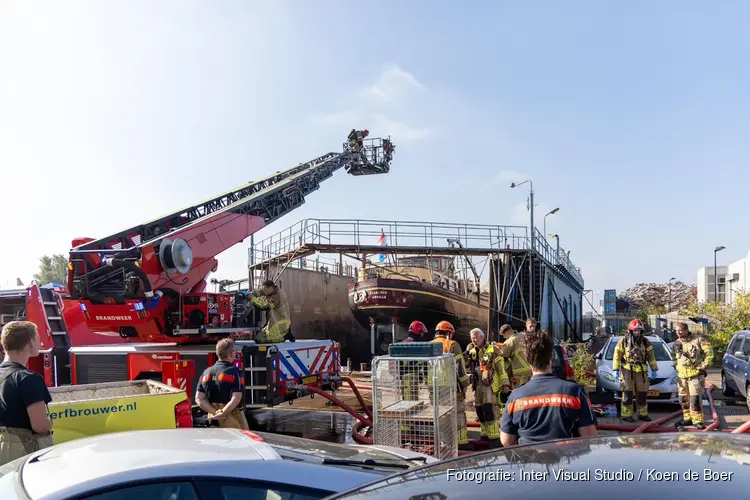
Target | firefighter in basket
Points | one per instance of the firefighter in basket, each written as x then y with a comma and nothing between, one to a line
633,356
444,332
272,299
489,382
692,356
519,371
357,140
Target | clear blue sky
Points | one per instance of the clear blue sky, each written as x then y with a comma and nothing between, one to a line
632,118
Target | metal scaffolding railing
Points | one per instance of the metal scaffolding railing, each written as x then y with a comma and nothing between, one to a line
372,234
558,258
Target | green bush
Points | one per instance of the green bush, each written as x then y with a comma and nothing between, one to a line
582,361
724,320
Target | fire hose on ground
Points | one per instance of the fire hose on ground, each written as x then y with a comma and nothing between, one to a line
647,427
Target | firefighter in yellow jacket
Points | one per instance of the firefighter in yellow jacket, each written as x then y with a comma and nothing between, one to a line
633,356
272,299
692,356
489,381
518,369
444,331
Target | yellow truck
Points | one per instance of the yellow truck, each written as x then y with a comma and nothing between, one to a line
90,409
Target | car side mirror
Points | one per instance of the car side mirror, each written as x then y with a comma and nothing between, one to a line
739,354
598,356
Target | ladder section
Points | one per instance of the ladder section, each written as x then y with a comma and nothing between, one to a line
61,356
144,232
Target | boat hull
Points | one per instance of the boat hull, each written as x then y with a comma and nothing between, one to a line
381,300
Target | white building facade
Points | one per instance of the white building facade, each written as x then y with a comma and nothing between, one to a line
730,280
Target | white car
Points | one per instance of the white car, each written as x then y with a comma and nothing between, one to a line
197,464
662,390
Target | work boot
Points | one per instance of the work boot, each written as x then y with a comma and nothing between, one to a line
290,336
684,422
700,426
645,418
494,443
628,419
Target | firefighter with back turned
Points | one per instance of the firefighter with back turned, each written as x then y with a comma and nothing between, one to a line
489,382
633,356
692,356
221,388
518,369
444,332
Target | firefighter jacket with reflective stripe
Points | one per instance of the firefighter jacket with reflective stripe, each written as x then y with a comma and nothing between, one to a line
515,358
488,366
279,320
692,355
452,347
634,355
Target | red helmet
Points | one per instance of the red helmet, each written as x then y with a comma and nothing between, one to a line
444,326
636,324
365,133
417,327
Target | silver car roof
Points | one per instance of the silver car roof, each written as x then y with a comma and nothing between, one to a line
81,465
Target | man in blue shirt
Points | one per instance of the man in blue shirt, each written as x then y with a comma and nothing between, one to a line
546,407
221,388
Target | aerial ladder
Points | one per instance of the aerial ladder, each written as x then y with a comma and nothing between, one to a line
148,282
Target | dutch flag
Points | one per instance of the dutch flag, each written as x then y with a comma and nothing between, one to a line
381,242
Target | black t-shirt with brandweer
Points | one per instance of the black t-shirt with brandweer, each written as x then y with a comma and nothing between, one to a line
20,389
547,408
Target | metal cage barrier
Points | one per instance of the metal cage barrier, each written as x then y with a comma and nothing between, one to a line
414,404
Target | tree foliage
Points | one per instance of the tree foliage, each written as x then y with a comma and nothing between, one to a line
52,269
724,319
582,362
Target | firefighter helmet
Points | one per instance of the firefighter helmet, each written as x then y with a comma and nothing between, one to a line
445,326
417,327
636,324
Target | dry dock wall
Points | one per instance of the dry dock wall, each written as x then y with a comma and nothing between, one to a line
319,306
564,297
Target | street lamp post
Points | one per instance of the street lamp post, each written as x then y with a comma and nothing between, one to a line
551,212
557,248
716,277
531,207
531,241
669,304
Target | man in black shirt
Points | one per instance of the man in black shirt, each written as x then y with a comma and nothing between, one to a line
221,388
25,426
545,408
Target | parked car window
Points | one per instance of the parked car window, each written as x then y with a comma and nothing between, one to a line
661,352
734,346
557,359
232,490
152,491
746,347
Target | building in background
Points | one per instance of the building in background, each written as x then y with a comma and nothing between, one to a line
731,280
705,283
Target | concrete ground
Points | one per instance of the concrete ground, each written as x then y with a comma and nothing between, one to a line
731,413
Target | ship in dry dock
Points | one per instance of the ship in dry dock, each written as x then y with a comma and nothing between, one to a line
360,282
426,289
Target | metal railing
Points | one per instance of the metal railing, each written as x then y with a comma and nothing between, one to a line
433,235
550,254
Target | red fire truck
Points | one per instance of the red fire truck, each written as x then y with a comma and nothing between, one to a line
135,305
